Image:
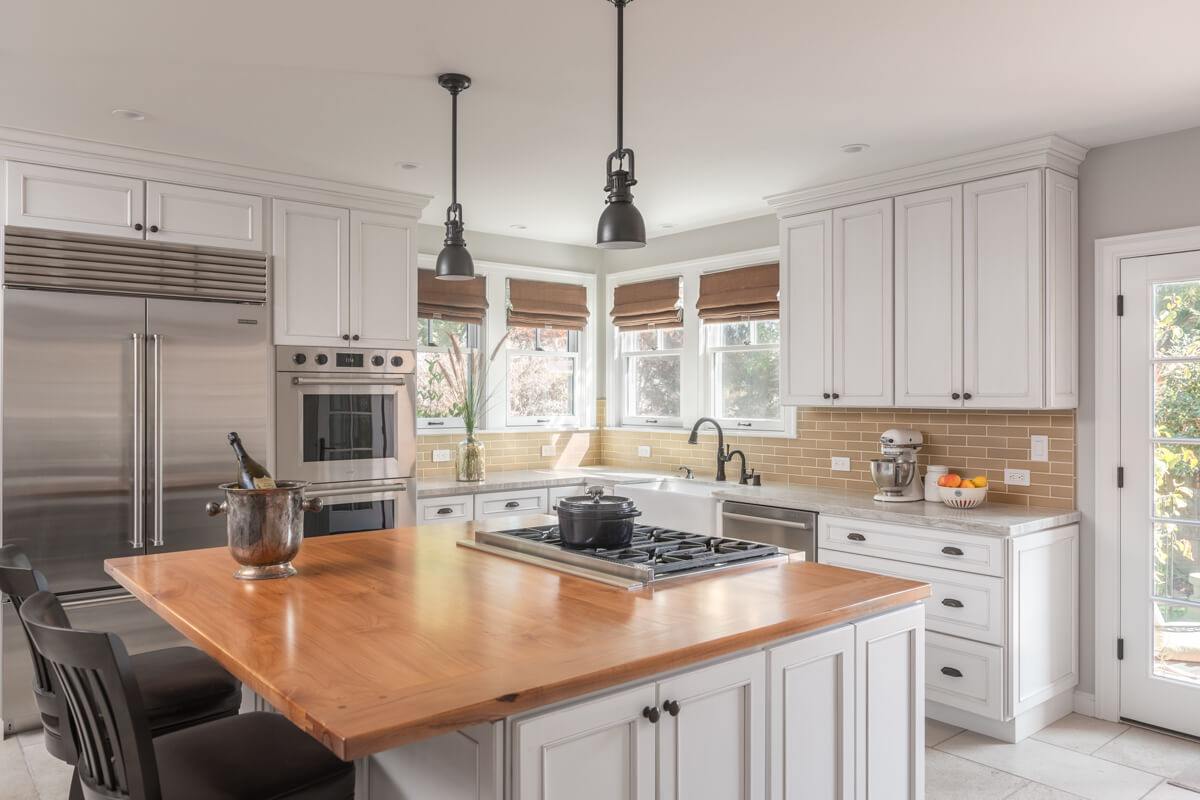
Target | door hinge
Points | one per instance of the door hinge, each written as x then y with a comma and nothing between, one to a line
1120,649
1120,305
1120,477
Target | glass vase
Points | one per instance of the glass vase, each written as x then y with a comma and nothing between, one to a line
469,460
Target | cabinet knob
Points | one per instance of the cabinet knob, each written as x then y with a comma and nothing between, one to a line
154,229
651,713
955,396
950,602
836,395
137,226
826,395
671,707
966,395
355,337
346,337
952,672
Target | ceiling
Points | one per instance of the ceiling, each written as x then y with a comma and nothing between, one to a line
725,101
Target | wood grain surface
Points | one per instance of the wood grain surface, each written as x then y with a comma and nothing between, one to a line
387,637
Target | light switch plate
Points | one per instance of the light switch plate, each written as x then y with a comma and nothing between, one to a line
1039,448
441,455
839,464
1016,477
643,451
548,450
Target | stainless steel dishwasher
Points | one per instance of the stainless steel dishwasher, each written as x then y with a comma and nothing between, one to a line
784,527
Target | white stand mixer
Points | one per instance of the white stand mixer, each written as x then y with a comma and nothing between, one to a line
897,476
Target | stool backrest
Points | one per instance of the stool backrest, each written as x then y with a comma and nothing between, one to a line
111,733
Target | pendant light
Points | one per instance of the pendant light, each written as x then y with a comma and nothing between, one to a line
454,263
621,226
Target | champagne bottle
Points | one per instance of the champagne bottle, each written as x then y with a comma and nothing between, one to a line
251,474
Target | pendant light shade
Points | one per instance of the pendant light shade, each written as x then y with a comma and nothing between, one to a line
454,263
621,226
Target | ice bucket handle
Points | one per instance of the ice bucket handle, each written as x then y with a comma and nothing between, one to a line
314,504
214,509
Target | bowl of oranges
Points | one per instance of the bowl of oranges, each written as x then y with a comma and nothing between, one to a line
960,492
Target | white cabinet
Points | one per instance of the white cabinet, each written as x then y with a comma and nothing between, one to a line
437,510
836,307
463,765
505,504
812,717
343,276
595,750
113,205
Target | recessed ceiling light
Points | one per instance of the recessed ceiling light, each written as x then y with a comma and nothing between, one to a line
518,227
857,147
129,113
407,165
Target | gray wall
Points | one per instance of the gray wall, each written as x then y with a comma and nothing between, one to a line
1150,184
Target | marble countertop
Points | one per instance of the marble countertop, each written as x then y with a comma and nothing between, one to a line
998,519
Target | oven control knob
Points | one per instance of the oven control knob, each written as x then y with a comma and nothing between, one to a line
299,358
397,361
377,361
322,358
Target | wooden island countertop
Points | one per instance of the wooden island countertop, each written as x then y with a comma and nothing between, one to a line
387,637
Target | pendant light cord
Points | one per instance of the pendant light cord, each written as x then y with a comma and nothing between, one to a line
620,75
454,148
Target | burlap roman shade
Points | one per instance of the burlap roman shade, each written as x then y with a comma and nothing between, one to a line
540,304
736,294
647,305
454,301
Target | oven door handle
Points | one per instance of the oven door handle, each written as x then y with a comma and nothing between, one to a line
390,487
300,380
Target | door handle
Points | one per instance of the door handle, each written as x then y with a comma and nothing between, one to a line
950,602
856,537
157,533
139,447
952,672
952,551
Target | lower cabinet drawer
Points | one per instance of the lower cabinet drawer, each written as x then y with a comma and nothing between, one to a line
965,674
502,504
968,552
432,510
960,603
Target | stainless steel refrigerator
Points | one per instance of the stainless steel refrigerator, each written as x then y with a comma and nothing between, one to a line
115,411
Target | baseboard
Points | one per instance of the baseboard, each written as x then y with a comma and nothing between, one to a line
1012,730
1085,703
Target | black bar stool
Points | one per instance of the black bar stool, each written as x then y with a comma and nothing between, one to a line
179,686
252,756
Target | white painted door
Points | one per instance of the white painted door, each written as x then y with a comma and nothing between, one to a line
889,664
311,245
712,733
383,280
812,717
806,310
74,200
929,299
1002,292
597,750
191,215
863,305
1160,504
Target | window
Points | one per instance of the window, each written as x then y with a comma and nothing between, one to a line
542,366
653,369
743,373
436,407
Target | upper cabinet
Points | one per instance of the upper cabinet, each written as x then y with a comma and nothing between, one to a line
343,276
113,205
835,293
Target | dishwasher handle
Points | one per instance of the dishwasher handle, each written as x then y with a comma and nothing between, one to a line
783,523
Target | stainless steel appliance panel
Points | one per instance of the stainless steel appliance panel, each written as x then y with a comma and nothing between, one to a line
351,508
783,527
208,370
73,382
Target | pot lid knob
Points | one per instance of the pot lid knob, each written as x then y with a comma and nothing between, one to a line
595,492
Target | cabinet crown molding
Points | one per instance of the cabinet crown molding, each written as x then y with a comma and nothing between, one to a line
1051,151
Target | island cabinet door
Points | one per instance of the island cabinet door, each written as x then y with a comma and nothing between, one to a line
889,665
596,750
812,717
712,732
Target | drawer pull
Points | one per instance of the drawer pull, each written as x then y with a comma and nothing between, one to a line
856,537
446,510
512,504
952,551
952,672
952,603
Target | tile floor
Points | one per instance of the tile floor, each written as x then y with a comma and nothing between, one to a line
1075,757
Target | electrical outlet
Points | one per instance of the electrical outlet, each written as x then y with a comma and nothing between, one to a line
1039,448
839,464
441,455
643,451
1016,477
548,450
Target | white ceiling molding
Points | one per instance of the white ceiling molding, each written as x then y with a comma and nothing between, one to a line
1052,151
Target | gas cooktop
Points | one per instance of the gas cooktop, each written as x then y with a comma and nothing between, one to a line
653,556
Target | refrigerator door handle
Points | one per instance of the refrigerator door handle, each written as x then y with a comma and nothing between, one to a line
157,532
139,455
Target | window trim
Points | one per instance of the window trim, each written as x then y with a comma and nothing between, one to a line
623,392
560,421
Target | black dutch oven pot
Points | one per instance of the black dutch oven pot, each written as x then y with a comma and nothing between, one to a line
593,520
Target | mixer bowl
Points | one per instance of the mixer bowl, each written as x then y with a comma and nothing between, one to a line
892,476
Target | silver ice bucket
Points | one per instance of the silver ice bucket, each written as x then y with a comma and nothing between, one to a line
265,527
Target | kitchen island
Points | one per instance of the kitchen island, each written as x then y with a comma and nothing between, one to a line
389,638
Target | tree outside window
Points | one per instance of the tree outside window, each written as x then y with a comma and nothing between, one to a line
542,376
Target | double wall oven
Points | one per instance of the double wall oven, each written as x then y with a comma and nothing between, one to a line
346,421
